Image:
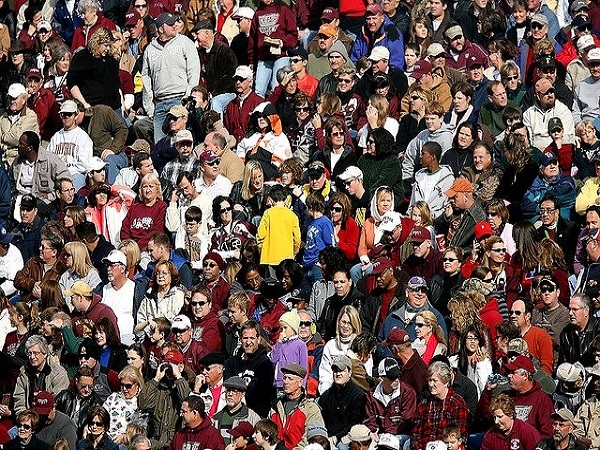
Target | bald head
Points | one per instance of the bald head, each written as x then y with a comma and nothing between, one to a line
545,93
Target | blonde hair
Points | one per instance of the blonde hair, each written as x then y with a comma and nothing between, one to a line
425,211
464,309
101,36
133,374
152,179
383,108
251,168
431,321
352,313
82,264
132,252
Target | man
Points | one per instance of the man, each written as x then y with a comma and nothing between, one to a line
185,161
553,316
490,113
532,405
43,103
141,164
163,398
572,385
235,409
218,64
549,182
337,58
478,82
231,165
379,28
159,248
577,337
538,340
54,425
436,55
562,436
239,44
198,431
352,179
293,412
171,68
425,260
87,309
206,326
553,226
380,64
211,182
299,64
460,50
11,261
27,233
17,119
254,366
238,305
209,383
403,317
37,374
97,245
120,294
331,16
584,107
343,404
460,215
237,112
164,150
429,79
391,405
192,350
72,144
538,7
65,197
318,66
413,369
536,117
578,70
135,34
547,69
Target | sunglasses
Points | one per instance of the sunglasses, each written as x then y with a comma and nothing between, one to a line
345,80
337,209
302,108
65,114
198,303
224,210
240,79
550,91
544,289
337,133
450,259
84,357
488,280
499,250
295,60
24,426
512,78
415,98
209,264
305,323
537,26
548,70
216,162
421,289
96,424
516,313
420,324
455,38
127,385
492,214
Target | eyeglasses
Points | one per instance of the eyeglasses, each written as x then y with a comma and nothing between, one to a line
337,209
472,338
488,280
33,353
499,250
126,385
516,313
349,182
43,31
421,289
450,259
64,114
190,223
345,80
420,324
492,214
512,78
547,210
226,209
548,70
415,98
305,323
24,426
544,289
198,304
337,133
323,37
178,331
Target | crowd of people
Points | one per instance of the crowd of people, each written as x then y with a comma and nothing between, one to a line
235,224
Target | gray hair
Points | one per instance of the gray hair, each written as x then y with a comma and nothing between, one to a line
584,300
88,5
442,370
139,439
36,339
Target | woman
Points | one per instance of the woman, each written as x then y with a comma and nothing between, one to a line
495,309
510,75
23,319
74,215
419,33
248,194
228,235
430,340
94,74
498,216
379,164
93,20
474,359
122,406
499,52
331,259
443,284
291,173
382,85
351,101
507,428
33,16
79,268
137,357
337,155
589,194
98,422
347,327
146,217
587,150
552,259
462,106
165,298
481,173
413,123
328,105
265,142
302,133
113,354
291,276
377,115
346,231
56,71
461,153
495,259
442,407
524,263
51,296
28,423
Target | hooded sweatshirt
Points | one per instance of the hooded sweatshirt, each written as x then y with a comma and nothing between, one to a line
84,321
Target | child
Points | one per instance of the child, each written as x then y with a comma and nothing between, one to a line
320,234
193,240
564,152
289,348
159,331
411,56
452,438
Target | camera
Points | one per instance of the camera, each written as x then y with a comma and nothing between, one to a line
167,369
496,378
189,102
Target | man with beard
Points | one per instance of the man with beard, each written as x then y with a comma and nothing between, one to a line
163,397
460,50
254,366
562,436
235,409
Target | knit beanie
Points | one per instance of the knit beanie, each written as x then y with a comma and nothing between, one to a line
216,258
292,319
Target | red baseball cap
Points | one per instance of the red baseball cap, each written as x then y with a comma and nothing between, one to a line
483,229
173,356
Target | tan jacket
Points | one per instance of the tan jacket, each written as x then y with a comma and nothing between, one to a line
11,132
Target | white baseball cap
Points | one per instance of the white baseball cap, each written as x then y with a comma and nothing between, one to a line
16,89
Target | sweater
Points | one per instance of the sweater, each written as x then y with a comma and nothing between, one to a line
275,21
96,78
585,105
278,235
287,351
522,436
142,221
541,347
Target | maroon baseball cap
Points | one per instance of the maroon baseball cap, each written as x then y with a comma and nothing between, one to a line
419,235
132,17
35,73
421,68
373,9
520,362
330,14
380,265
244,429
395,337
43,403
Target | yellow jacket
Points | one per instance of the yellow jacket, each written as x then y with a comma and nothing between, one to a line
278,235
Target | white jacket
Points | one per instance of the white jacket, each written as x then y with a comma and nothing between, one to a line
536,120
10,264
412,156
436,198
276,144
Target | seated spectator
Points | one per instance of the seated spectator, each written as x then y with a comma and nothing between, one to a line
28,423
25,121
481,173
577,337
430,337
159,250
98,422
54,425
79,268
108,207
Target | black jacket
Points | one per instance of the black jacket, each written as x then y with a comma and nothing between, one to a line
219,67
97,78
100,252
66,402
574,346
9,18
566,237
34,444
342,407
331,309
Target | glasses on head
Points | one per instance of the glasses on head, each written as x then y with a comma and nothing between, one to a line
450,259
499,250
337,209
226,209
201,303
305,323
544,289
516,312
24,426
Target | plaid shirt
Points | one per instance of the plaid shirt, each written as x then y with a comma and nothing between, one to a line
173,168
433,415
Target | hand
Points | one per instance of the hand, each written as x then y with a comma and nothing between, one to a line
199,381
287,78
317,121
57,322
126,35
448,210
230,447
106,153
174,196
297,191
176,371
5,410
364,267
490,386
37,290
160,373
597,201
372,116
238,207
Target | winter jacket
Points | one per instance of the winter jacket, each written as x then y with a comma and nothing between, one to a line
11,130
328,319
562,187
522,437
218,68
412,157
343,406
379,172
576,346
98,80
33,272
8,18
464,234
437,197
394,417
66,402
65,23
203,436
237,117
587,421
387,36
82,34
287,351
471,51
398,319
292,427
55,380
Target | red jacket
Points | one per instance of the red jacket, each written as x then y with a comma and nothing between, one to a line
219,291
236,118
522,437
81,37
270,322
395,418
46,109
209,330
201,437
348,239
84,321
276,21
194,353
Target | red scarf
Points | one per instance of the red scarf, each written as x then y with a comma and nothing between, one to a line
430,349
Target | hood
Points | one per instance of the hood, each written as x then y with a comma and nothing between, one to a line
266,109
374,213
339,48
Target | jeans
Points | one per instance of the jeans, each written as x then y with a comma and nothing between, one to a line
266,75
356,273
306,38
220,102
161,109
78,180
115,164
312,274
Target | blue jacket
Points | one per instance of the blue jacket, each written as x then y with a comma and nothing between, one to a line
396,319
388,36
64,23
562,187
181,264
5,197
320,234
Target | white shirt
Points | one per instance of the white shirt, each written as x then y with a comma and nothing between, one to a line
121,302
74,147
221,186
10,264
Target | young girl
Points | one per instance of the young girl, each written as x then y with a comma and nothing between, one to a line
289,348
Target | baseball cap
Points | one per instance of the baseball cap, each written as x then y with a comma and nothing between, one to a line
436,49
520,362
95,164
178,111
68,106
374,9
316,168
454,31
16,89
419,235
44,25
208,156
341,362
388,367
244,429
475,61
581,21
244,72
90,349
358,433
594,54
459,185
577,6
390,221
555,123
139,145
330,14
396,336
378,53
483,229
132,17
173,356
244,12
547,157
539,18
568,372
416,282
5,236
380,265
203,25
563,414
546,63
388,441
35,73
294,369
421,68
585,42
115,256
184,136
181,322
327,30
351,172
298,51
518,346
165,18
28,202
18,46
43,403
79,288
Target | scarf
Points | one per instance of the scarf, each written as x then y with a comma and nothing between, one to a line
430,349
